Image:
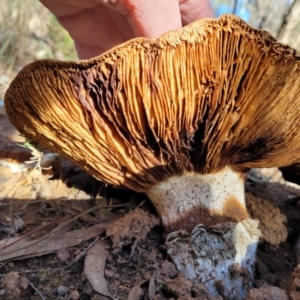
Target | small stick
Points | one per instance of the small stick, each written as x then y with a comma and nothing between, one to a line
34,230
37,291
61,268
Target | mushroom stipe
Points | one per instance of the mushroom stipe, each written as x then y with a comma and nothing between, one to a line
180,118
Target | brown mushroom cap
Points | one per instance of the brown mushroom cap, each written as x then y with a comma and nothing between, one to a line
215,93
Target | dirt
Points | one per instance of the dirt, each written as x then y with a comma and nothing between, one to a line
137,265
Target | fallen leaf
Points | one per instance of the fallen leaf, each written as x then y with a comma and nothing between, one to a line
28,248
136,292
151,289
94,267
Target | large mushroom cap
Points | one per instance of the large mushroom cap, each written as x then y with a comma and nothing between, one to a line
212,94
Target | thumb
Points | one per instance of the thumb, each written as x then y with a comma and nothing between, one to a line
192,10
148,18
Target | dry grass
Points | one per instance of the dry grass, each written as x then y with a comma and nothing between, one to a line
28,32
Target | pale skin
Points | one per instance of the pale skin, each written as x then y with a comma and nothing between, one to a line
98,25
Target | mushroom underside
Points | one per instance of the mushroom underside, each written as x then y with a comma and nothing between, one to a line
179,118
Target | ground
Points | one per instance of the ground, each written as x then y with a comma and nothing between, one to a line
73,218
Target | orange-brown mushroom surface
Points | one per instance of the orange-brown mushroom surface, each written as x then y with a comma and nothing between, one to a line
214,93
179,118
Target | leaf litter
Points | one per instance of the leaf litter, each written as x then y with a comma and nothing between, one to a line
127,257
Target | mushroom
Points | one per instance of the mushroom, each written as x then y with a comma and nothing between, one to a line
180,118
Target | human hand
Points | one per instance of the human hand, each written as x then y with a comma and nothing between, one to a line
98,25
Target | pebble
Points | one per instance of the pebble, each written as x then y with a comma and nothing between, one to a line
267,292
63,290
2,292
63,254
33,277
74,295
18,224
11,264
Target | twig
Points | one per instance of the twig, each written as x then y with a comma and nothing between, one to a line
38,292
65,267
125,261
78,256
115,206
54,230
30,201
34,230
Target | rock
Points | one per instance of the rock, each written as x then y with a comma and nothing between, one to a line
63,254
63,290
267,292
34,278
10,284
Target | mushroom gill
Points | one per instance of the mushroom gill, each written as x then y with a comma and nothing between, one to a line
179,118
212,94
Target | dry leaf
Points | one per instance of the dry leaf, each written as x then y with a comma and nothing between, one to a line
94,266
25,248
136,292
151,289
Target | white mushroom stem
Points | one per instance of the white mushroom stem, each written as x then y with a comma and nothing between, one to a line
212,239
194,198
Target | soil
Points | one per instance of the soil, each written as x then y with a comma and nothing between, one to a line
134,260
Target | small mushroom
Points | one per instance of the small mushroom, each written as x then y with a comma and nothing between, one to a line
180,118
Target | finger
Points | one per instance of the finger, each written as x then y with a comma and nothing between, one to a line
147,18
192,10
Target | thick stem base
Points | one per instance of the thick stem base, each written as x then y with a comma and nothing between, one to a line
190,199
220,256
